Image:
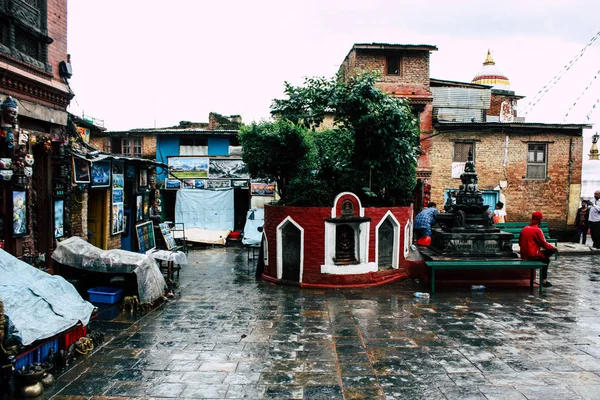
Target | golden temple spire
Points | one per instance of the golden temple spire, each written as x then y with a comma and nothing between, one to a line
489,60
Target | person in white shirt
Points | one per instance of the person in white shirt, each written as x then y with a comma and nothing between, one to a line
499,213
594,219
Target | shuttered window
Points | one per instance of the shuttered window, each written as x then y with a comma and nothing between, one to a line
536,161
461,151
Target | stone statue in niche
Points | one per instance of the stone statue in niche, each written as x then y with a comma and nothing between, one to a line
344,245
347,208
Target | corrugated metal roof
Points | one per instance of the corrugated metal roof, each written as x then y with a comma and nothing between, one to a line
394,46
458,114
461,97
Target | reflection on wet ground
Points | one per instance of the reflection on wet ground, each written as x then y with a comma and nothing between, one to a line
227,335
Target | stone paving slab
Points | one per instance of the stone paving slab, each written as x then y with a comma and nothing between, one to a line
226,335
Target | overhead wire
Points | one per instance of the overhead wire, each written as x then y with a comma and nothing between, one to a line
542,92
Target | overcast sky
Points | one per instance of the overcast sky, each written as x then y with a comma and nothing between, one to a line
146,63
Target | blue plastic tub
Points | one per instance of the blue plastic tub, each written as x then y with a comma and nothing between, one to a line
105,295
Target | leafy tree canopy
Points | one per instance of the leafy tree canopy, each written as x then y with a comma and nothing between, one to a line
371,150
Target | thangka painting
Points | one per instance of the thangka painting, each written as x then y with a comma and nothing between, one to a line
188,167
19,213
101,174
143,178
227,168
145,236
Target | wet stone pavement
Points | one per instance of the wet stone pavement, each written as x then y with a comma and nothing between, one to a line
227,335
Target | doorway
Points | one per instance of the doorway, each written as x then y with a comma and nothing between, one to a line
385,250
97,222
291,252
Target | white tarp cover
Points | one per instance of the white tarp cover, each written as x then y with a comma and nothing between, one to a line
204,236
254,219
77,253
205,209
38,305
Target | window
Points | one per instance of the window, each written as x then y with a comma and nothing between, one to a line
536,161
193,146
23,32
461,151
131,147
392,63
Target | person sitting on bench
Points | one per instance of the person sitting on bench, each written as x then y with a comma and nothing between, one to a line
534,246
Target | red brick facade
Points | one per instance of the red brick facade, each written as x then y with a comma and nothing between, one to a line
313,220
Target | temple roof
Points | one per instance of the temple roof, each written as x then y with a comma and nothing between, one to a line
489,74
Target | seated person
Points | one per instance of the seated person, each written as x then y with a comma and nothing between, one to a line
424,221
534,246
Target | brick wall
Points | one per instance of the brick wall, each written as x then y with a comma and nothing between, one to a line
79,214
57,30
312,220
149,147
551,196
414,66
101,143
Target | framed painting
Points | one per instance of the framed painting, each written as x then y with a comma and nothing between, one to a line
143,178
172,184
117,195
189,167
81,170
145,236
19,213
117,218
262,189
218,183
146,206
168,236
228,168
59,219
101,174
240,184
139,207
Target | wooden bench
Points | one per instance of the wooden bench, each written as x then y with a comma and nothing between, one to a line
485,264
516,227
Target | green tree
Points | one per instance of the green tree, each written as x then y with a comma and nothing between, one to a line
371,150
275,151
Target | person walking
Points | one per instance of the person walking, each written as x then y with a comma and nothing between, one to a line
594,220
533,246
424,221
581,221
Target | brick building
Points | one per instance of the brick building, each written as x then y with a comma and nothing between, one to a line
528,166
34,65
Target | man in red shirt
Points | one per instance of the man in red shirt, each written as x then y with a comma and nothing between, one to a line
533,246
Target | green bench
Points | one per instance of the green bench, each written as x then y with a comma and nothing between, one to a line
516,227
515,263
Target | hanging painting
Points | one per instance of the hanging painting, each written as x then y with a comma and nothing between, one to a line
81,170
143,178
188,167
139,207
19,213
101,174
118,207
59,221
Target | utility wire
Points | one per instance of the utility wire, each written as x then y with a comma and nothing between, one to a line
540,94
